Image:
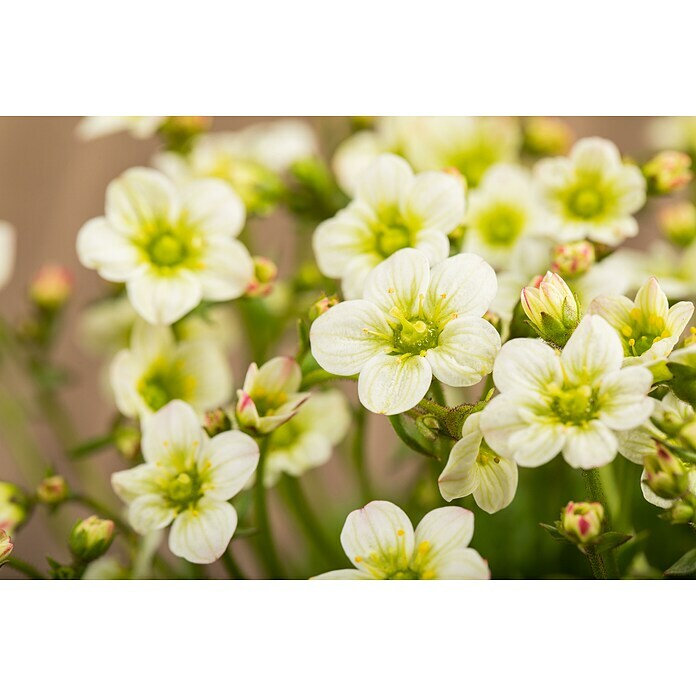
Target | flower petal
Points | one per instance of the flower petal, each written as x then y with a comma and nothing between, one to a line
149,512
107,251
348,574
463,564
227,269
213,207
207,373
233,457
435,200
130,484
202,535
378,535
501,419
433,243
497,485
460,476
281,374
590,445
525,364
615,309
465,353
385,182
537,443
174,428
390,384
594,350
624,400
348,336
339,240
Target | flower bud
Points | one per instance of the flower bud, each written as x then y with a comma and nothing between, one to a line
665,474
13,507
6,546
51,288
545,136
127,441
52,490
582,522
678,223
667,172
573,259
687,434
321,306
682,512
216,422
551,308
495,320
91,538
428,426
265,274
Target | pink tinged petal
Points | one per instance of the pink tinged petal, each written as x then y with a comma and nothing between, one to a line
281,374
226,269
341,239
112,254
400,282
140,197
623,399
385,182
148,513
232,458
651,299
436,200
616,310
463,284
465,353
162,299
434,244
377,534
348,574
391,384
501,419
202,535
213,208
132,483
537,443
460,476
247,413
590,445
464,564
593,351
526,364
350,334
173,429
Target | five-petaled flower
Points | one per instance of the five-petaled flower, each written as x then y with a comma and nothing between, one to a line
413,323
187,481
380,542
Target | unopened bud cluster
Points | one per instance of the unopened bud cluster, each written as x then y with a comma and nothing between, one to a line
551,308
667,172
265,274
546,136
678,223
51,288
582,522
573,259
52,491
91,538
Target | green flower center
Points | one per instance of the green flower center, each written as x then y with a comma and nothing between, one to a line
168,247
407,574
486,456
391,231
586,203
573,405
415,336
643,331
184,489
164,382
166,250
501,226
267,403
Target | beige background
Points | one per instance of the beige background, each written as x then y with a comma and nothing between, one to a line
50,184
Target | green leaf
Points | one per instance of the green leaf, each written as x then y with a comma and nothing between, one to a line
609,541
553,532
685,567
408,439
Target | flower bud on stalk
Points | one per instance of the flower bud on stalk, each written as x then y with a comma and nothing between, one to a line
51,288
6,547
682,512
265,274
52,491
667,172
321,306
678,223
665,474
551,308
546,136
216,422
582,522
91,538
573,259
13,507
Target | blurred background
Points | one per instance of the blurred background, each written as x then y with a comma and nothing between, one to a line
51,183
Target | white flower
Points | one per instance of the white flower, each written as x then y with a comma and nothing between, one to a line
250,160
7,252
649,328
473,467
392,210
171,248
307,440
270,395
186,481
468,144
503,211
156,370
591,193
664,503
413,323
380,542
573,402
140,127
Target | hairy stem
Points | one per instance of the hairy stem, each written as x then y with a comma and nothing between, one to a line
604,566
263,524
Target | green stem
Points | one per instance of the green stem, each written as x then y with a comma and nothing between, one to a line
25,568
359,454
307,519
604,566
233,570
265,537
